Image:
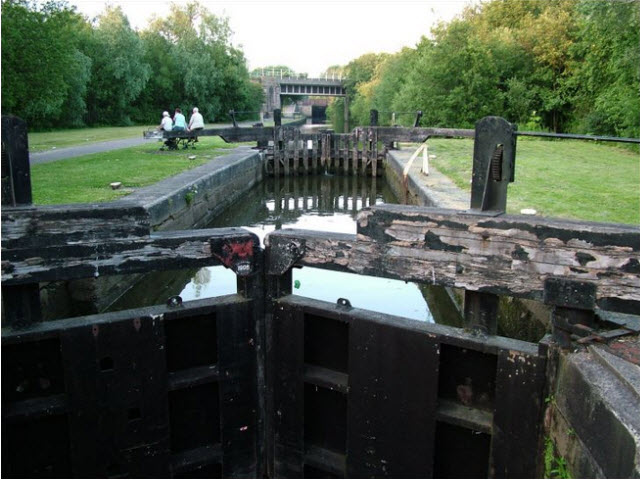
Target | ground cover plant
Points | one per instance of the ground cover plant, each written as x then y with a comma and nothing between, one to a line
41,141
558,178
87,178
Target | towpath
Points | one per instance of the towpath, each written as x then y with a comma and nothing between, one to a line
79,150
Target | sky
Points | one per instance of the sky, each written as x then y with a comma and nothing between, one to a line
308,35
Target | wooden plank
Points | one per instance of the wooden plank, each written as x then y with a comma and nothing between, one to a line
16,171
354,158
287,150
452,336
395,371
517,421
193,377
34,408
314,154
305,154
468,417
365,152
505,255
277,136
374,155
296,151
21,304
196,458
326,460
165,250
116,381
331,154
44,226
288,352
326,378
230,135
419,135
347,153
238,391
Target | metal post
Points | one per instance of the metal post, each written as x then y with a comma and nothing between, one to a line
493,169
232,113
373,118
416,123
346,114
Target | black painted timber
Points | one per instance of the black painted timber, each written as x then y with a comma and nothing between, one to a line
130,380
393,376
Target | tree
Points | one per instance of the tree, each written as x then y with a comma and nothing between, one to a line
607,68
43,72
118,72
196,64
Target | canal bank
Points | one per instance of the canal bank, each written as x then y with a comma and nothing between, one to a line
592,417
188,200
517,318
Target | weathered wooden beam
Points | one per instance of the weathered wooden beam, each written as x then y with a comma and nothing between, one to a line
229,135
232,247
16,172
21,303
505,255
44,226
419,135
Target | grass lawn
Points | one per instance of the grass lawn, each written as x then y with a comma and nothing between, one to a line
87,178
41,141
559,178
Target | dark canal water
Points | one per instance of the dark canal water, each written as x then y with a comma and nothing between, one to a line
325,203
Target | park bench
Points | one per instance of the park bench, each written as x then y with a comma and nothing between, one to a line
177,140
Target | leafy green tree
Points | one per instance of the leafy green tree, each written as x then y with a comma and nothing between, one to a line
607,68
195,64
43,72
118,72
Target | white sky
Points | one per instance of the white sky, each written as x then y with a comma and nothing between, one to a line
308,35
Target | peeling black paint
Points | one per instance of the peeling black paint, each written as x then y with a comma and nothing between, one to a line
632,266
598,239
578,270
433,242
519,253
584,258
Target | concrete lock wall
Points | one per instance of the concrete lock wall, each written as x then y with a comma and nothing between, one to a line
188,200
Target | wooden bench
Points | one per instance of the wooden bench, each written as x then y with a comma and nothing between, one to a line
177,140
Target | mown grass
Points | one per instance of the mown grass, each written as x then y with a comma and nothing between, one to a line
87,178
559,178
41,141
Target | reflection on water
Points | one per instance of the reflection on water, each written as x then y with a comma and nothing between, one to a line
325,203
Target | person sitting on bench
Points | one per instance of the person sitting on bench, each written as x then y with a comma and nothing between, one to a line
196,122
166,124
179,122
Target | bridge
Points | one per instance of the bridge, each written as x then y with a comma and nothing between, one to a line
276,86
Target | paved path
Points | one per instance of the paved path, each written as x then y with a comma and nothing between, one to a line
70,152
79,150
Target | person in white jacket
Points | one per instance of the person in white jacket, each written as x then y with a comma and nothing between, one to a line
196,122
166,124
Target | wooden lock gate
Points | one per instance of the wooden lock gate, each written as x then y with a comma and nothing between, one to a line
266,383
